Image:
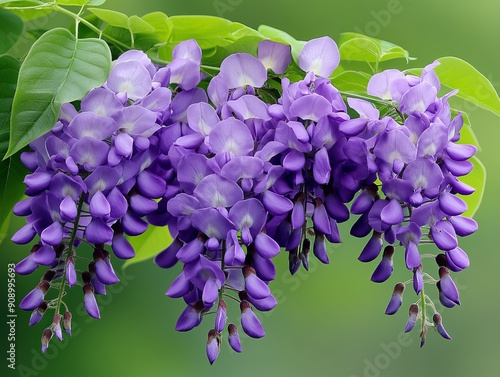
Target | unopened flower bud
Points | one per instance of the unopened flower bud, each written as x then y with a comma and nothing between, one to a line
412,317
56,325
396,299
213,346
234,337
438,322
46,337
38,313
67,322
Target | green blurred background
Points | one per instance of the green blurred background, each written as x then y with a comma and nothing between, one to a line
330,321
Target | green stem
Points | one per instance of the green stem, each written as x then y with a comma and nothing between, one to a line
92,27
423,304
70,251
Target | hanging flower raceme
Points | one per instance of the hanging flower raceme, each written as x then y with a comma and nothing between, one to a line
416,153
236,177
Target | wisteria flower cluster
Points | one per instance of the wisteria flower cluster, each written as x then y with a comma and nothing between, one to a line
238,177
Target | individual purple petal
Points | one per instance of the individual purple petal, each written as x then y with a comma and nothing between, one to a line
249,107
445,301
182,205
53,234
218,91
275,56
35,297
423,173
412,256
137,56
158,100
45,255
385,267
130,77
190,317
392,213
202,118
211,222
460,152
98,232
190,251
448,286
438,322
458,168
101,179
432,141
418,279
320,218
298,213
444,235
221,316
418,98
395,145
151,185
191,170
210,292
26,266
188,49
265,268
167,258
372,248
234,338
396,299
266,246
56,323
311,107
264,304
101,101
89,301
362,203
463,226
99,206
68,209
185,73
295,161
142,206
124,144
381,84
179,287
276,204
136,121
215,191
213,346
105,272
23,207
321,167
242,167
38,313
319,248
458,258
24,235
451,205
231,136
117,202
412,317
319,55
241,69
121,247
249,321
70,272
91,125
253,285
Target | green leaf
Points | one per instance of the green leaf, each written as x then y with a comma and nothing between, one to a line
246,44
208,31
12,187
149,244
11,28
477,179
9,70
161,34
456,73
359,47
29,13
351,81
58,69
282,37
111,17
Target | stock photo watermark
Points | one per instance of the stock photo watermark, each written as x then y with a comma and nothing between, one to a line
224,6
11,316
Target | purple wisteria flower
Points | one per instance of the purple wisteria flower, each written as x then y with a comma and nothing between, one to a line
238,178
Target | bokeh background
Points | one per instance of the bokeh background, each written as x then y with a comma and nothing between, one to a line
331,320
